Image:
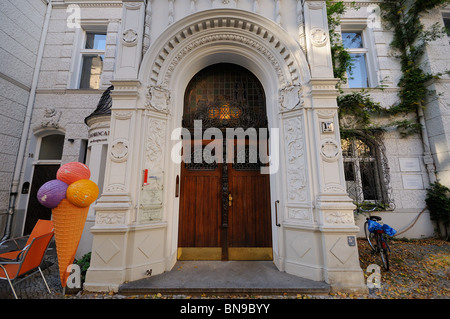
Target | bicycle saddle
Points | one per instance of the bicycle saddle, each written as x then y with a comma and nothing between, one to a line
377,218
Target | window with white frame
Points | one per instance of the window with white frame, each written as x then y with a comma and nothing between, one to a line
359,41
92,57
353,42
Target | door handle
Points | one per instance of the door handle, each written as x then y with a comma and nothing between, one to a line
276,213
230,200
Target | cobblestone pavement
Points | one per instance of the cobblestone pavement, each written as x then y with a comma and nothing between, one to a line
420,269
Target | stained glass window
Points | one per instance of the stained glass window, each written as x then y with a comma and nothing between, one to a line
224,93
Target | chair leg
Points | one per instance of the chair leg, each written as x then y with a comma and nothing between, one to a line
9,281
45,281
12,287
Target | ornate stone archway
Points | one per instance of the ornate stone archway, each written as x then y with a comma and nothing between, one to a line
136,224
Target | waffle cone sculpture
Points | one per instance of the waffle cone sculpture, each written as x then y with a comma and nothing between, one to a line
69,199
69,223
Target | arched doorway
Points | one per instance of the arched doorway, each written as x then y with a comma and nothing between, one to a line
225,209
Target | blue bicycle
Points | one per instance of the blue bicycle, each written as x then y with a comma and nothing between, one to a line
377,235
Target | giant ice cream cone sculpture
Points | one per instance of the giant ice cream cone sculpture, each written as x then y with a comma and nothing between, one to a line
69,223
70,206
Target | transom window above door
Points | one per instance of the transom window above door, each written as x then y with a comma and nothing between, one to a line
225,95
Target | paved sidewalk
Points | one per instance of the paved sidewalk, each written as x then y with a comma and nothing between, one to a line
34,287
419,269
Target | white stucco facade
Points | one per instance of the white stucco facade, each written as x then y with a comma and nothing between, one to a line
152,51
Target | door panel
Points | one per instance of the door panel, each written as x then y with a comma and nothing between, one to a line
247,235
35,211
200,205
249,214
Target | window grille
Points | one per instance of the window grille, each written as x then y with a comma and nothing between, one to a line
366,171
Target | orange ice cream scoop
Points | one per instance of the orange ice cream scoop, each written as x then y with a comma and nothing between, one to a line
82,193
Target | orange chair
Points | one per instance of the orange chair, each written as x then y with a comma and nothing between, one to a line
42,227
28,261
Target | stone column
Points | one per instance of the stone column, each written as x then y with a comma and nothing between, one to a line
333,211
115,209
98,141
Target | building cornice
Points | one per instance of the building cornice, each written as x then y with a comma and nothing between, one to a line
88,3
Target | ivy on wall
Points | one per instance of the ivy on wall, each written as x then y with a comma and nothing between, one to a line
409,41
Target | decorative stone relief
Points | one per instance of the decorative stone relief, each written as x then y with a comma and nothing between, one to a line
51,118
299,213
318,36
301,25
329,149
339,218
295,157
226,29
334,188
291,97
154,144
119,150
170,17
123,115
348,121
115,188
206,40
109,218
158,98
129,37
147,24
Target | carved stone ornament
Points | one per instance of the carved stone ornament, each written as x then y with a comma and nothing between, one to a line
158,98
109,218
329,150
129,37
339,218
155,144
291,97
318,36
348,121
51,118
299,213
119,150
295,156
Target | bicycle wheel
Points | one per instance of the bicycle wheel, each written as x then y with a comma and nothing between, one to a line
370,237
382,244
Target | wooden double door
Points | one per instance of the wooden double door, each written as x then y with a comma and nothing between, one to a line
225,211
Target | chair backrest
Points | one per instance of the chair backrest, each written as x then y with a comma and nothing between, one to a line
42,227
34,253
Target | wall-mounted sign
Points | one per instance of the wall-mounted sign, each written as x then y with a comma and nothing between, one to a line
98,136
327,127
409,164
413,181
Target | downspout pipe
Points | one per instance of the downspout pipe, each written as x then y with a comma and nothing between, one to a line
26,126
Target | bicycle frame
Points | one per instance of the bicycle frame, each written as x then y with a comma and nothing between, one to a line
377,241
